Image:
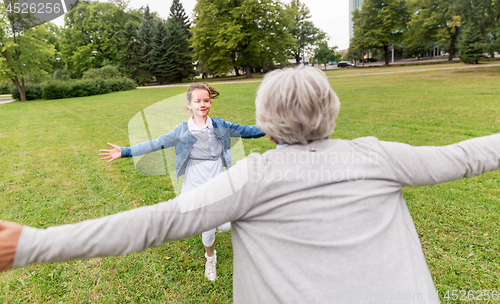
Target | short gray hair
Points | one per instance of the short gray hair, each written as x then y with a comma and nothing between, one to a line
296,105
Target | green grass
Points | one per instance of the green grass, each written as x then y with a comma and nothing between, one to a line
50,174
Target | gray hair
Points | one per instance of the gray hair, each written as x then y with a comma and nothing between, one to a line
296,105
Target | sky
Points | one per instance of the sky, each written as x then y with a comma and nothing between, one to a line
331,16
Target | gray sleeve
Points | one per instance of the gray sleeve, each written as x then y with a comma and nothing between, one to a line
419,166
222,199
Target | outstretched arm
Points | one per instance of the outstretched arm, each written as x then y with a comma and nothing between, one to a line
162,142
9,237
207,206
111,154
420,166
244,131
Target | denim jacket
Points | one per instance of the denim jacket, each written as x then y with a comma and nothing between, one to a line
183,141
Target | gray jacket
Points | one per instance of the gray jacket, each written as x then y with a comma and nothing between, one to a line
319,223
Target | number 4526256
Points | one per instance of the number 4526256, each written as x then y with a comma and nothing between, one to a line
32,8
471,295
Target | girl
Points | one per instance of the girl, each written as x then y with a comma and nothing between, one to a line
202,149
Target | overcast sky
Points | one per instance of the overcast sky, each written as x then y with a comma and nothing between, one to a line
332,16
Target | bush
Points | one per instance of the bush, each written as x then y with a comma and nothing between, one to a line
55,90
61,74
86,87
33,91
106,72
6,87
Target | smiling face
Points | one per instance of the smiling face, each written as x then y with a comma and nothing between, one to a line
200,103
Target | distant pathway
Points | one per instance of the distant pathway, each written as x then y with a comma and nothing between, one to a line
188,84
6,99
424,70
349,75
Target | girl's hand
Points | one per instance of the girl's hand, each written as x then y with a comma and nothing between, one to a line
111,154
9,237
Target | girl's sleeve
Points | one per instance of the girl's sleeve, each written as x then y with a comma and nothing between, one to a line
419,166
225,198
243,131
162,142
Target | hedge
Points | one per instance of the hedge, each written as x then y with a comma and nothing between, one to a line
5,87
33,91
74,88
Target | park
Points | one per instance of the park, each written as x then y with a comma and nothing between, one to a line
52,176
67,91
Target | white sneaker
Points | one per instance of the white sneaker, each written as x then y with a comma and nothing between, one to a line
210,271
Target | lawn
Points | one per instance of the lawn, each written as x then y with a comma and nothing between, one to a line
50,174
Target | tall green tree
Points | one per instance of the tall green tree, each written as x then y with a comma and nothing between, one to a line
381,24
492,31
181,55
94,26
439,22
160,57
307,35
24,54
146,33
178,13
239,33
131,52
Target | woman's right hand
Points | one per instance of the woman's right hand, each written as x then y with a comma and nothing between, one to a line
111,154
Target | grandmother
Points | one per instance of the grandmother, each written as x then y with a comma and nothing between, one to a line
317,220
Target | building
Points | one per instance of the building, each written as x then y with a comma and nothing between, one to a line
352,5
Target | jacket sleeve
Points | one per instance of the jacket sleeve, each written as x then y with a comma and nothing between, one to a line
419,166
225,198
162,142
243,131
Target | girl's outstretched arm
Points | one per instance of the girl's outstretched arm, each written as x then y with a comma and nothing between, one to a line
243,131
111,154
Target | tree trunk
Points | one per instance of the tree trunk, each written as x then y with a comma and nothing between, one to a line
452,44
386,54
297,58
248,74
20,88
237,71
492,55
363,56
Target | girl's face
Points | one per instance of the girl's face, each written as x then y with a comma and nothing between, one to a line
200,103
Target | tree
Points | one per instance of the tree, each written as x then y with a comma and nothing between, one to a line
131,52
239,33
94,26
182,55
178,13
493,29
325,54
160,60
23,54
380,23
471,45
146,32
304,32
439,22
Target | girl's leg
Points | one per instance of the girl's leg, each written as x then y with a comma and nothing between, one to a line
208,238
